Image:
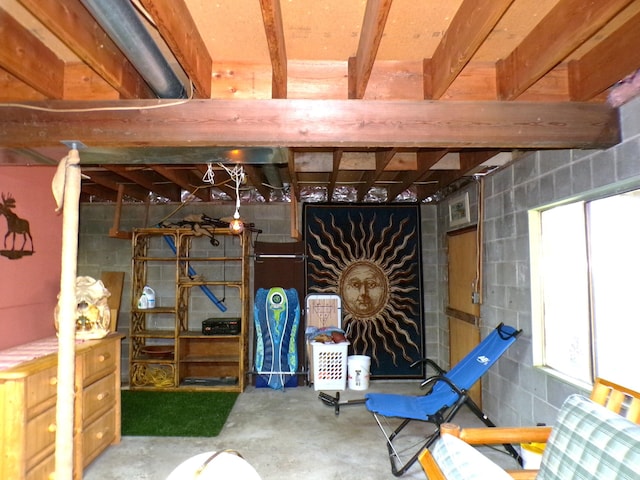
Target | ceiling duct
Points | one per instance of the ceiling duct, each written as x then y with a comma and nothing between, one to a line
121,22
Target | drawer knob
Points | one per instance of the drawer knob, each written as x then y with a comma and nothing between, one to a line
100,435
52,427
104,357
53,381
102,396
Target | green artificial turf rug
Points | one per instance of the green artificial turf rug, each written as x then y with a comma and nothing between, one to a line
175,414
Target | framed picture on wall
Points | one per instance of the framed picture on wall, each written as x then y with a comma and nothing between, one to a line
459,210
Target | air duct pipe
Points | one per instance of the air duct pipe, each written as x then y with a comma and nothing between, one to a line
120,20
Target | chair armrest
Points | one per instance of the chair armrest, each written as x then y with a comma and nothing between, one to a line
523,474
497,435
430,466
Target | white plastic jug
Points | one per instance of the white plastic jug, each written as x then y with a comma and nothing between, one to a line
147,299
358,370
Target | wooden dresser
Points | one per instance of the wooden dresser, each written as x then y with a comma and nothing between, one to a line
28,383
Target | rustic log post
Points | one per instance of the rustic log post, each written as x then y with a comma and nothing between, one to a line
66,187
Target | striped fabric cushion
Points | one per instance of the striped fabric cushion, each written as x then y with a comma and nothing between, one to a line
591,442
459,460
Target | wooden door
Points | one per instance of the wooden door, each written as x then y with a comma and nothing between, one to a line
463,313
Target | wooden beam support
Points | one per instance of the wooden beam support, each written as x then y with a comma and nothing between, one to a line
369,178
114,231
360,66
23,55
175,24
426,160
75,27
337,157
256,178
291,165
272,18
611,60
169,191
312,123
185,181
107,180
474,21
560,32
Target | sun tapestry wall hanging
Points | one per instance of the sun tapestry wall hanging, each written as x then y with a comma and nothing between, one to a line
370,255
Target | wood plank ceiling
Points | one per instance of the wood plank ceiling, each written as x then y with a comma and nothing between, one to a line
350,100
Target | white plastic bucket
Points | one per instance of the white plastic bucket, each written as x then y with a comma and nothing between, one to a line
358,370
531,455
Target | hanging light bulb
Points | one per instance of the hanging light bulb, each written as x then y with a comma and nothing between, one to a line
237,175
236,225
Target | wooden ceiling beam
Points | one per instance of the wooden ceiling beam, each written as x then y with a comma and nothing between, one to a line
184,180
291,165
611,60
111,182
99,191
426,160
473,22
369,178
272,19
75,27
559,33
23,55
179,31
170,191
333,178
360,66
258,180
436,181
13,89
313,123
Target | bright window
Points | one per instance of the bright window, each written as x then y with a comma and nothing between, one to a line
585,281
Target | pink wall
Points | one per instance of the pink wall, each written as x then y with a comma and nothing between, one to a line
29,285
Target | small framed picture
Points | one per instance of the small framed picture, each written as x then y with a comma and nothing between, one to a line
459,210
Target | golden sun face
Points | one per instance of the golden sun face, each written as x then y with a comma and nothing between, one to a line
373,266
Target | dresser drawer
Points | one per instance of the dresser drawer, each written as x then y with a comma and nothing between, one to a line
40,437
98,362
45,470
97,436
98,397
41,389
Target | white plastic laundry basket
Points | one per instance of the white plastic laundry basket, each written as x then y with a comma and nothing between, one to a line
329,365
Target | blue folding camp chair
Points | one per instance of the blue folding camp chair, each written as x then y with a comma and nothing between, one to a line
449,392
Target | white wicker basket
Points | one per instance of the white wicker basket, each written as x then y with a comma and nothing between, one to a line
330,365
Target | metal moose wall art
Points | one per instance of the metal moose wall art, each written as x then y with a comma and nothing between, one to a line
15,226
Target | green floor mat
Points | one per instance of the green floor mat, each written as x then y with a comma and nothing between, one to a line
175,414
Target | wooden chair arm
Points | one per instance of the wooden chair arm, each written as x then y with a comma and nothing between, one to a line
430,466
433,472
523,474
498,435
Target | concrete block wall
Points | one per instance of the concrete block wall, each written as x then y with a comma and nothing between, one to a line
514,392
99,252
432,285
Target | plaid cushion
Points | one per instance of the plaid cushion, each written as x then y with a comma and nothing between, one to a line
459,460
591,442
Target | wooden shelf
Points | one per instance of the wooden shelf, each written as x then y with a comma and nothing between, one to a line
198,361
210,359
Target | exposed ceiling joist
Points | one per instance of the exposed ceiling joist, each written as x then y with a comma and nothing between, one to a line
311,97
315,123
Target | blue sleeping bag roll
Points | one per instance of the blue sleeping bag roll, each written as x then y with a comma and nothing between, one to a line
276,315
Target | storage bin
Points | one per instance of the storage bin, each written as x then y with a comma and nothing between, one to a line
330,365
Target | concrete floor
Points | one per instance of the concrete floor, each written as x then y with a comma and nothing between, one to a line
284,435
